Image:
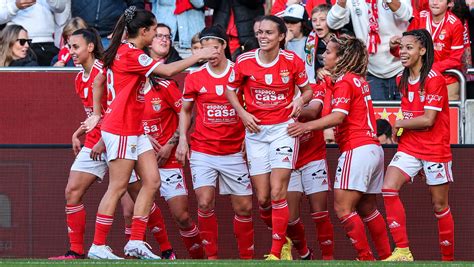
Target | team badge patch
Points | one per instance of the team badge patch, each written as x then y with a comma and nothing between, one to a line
232,76
285,76
156,104
219,90
144,60
442,34
268,79
422,96
411,95
133,148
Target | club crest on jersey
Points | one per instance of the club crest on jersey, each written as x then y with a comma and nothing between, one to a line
86,92
411,96
442,34
219,90
133,148
422,96
285,76
156,104
144,60
268,79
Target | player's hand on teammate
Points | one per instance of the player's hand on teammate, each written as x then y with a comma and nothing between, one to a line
297,105
250,122
76,145
322,73
182,151
22,4
154,143
97,150
297,129
164,154
90,123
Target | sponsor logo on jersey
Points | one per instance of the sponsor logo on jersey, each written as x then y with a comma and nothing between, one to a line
431,98
436,167
269,98
219,113
219,90
252,78
203,90
340,100
285,159
152,127
268,79
144,60
319,174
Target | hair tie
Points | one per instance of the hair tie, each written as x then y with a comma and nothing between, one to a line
130,13
212,37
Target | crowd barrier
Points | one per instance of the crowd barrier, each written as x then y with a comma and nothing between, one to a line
32,219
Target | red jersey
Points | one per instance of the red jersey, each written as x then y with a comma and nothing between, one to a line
312,145
218,128
447,38
431,144
268,88
351,96
160,118
84,91
126,80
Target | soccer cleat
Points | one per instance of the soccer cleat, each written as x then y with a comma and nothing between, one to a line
168,255
102,252
70,255
286,251
271,257
400,254
309,256
140,249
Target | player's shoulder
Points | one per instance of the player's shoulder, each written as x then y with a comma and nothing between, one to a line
79,75
250,55
288,55
452,19
198,70
98,66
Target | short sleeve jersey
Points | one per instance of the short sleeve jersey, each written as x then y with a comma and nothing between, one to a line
448,38
351,96
312,146
84,91
268,88
126,80
160,118
218,128
431,144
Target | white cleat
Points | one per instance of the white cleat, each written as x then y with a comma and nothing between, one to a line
140,249
102,253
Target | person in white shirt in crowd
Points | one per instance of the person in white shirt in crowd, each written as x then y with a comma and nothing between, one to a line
37,17
375,22
297,22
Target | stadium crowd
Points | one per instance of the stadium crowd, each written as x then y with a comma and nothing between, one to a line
254,130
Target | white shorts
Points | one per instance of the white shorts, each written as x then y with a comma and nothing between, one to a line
271,148
436,173
311,178
84,163
125,147
173,183
231,169
361,169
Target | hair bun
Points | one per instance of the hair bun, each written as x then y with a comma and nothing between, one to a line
130,13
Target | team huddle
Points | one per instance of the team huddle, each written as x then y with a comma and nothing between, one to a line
257,129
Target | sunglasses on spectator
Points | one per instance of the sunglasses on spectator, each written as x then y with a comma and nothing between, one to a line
164,36
24,41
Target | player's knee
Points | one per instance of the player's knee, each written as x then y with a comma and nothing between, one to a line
183,220
151,184
205,204
341,210
243,209
278,193
73,194
440,205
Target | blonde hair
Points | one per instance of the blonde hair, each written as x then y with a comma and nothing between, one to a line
73,25
8,37
352,56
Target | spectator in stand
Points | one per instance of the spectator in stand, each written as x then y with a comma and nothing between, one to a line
237,16
63,58
375,22
297,23
37,17
103,14
15,48
470,77
184,17
280,5
384,131
161,48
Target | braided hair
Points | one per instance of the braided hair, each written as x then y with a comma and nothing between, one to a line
352,56
423,37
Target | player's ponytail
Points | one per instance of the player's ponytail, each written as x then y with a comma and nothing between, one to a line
91,35
424,38
127,26
218,33
280,26
352,56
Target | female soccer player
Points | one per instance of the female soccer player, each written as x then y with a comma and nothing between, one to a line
216,146
268,77
423,146
360,169
122,129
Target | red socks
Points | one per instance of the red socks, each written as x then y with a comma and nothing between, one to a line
356,232
103,223
128,232
280,217
192,241
396,218
157,226
76,225
378,232
325,232
243,230
138,227
266,215
296,233
446,234
207,222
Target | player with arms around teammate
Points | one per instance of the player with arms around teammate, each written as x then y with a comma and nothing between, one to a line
122,129
359,174
268,77
423,147
216,146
